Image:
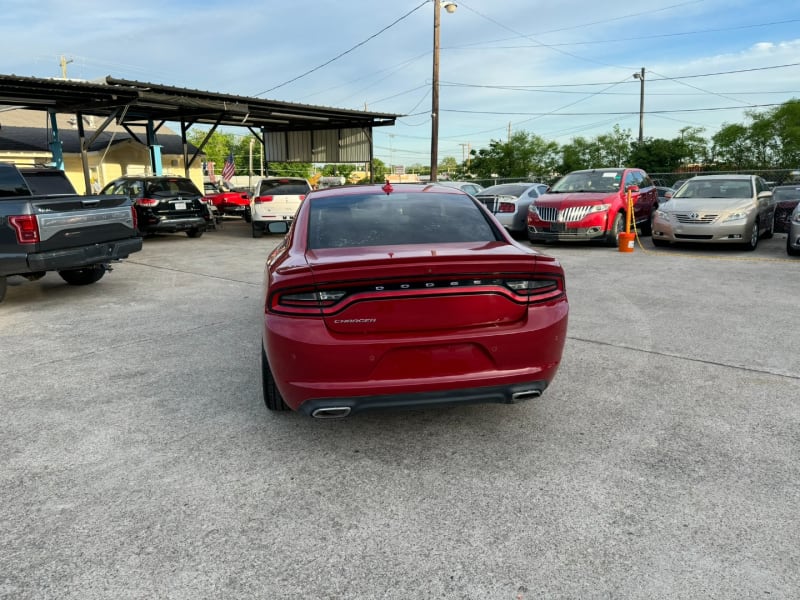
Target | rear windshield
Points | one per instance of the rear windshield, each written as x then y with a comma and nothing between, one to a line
715,188
782,194
11,182
171,186
47,183
283,187
507,189
381,220
589,181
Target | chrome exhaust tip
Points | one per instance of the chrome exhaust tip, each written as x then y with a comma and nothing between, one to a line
526,395
333,412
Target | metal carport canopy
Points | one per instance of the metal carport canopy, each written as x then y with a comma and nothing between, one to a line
133,103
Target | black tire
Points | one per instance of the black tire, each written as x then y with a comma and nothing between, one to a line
3,286
257,231
752,243
790,250
195,232
647,227
659,243
272,397
83,276
248,217
771,230
616,229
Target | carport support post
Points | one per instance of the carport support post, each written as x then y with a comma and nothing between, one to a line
84,156
56,149
154,148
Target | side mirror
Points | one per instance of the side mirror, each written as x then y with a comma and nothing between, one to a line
278,226
667,195
634,189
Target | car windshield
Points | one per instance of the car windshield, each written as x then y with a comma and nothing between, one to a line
506,189
399,218
286,187
715,188
589,181
162,187
783,194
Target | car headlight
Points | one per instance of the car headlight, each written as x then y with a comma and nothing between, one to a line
599,208
532,209
662,214
796,217
737,216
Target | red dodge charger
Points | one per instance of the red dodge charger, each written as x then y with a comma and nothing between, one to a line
406,297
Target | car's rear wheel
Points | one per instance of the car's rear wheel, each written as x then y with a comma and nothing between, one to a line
3,286
83,276
616,229
257,231
194,232
272,397
248,217
752,243
771,230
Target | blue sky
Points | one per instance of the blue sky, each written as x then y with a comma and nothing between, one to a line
556,68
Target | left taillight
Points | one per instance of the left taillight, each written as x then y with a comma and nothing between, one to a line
304,302
537,290
149,202
26,228
135,218
507,207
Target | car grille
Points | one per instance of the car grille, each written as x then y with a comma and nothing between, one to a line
566,215
695,218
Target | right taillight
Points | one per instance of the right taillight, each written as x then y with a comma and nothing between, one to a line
537,290
135,218
260,199
147,202
26,227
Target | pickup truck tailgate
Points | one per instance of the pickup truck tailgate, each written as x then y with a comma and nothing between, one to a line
73,221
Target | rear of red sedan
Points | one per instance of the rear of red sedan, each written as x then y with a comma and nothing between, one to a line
403,297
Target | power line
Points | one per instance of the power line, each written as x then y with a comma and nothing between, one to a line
338,56
585,114
660,78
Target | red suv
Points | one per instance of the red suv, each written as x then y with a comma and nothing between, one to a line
590,205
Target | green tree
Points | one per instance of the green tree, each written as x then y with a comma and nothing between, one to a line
655,155
216,148
692,145
731,147
523,155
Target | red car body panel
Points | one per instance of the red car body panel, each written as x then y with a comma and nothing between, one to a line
232,203
417,318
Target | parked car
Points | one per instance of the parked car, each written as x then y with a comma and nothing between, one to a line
229,202
786,199
402,296
793,234
509,202
592,205
676,186
717,209
164,203
465,186
276,199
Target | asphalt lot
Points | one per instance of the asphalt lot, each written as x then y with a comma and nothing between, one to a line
139,461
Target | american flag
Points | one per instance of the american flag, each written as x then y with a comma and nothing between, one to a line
229,170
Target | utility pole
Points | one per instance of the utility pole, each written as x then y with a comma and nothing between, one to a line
640,77
509,132
64,62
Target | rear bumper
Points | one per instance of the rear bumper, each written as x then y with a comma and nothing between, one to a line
507,394
70,258
173,225
485,364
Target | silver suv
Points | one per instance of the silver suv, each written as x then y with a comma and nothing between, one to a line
276,199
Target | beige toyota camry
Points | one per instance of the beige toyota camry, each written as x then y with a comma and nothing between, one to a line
717,209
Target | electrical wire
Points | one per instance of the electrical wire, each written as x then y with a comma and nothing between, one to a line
338,56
